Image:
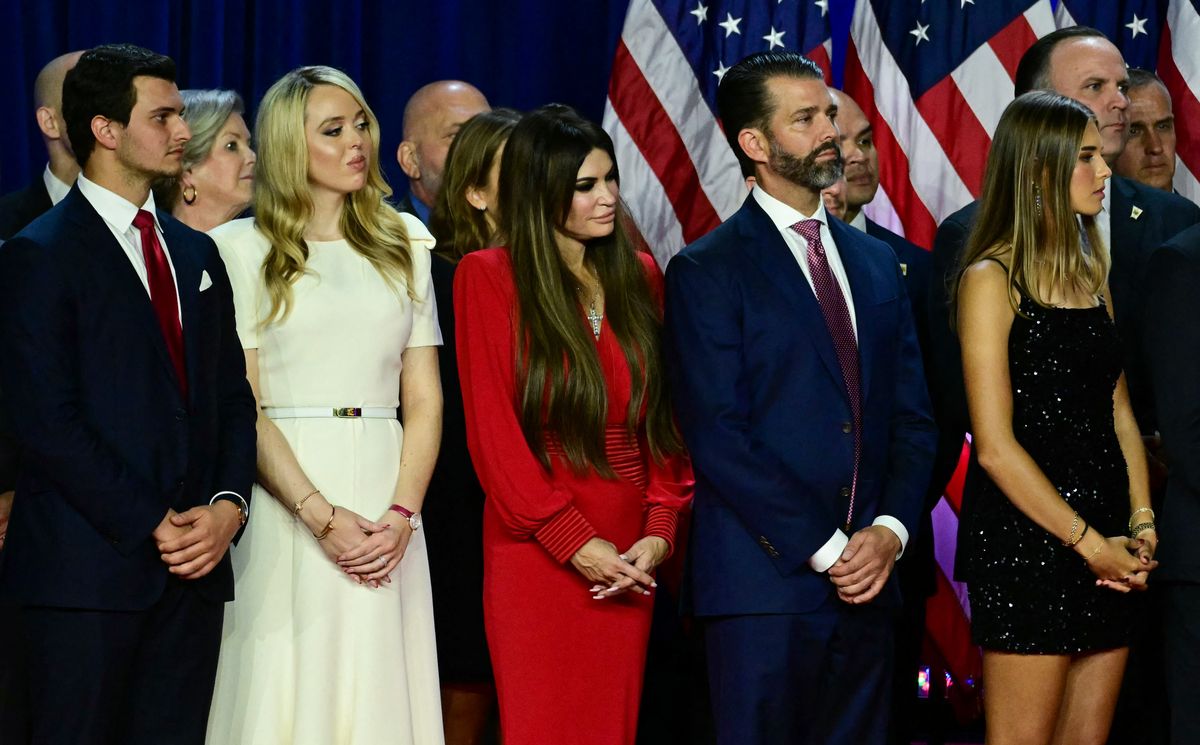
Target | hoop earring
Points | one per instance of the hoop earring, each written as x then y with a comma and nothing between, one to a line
192,199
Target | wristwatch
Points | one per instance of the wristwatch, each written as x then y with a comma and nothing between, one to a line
237,501
414,518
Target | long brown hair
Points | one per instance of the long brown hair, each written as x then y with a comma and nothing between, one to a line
459,227
1026,204
283,203
562,388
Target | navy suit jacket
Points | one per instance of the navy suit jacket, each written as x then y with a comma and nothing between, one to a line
760,400
1171,341
109,442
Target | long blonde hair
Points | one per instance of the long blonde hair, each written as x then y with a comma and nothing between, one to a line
283,202
1026,204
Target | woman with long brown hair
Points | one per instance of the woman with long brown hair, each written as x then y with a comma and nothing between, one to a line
463,220
1056,525
571,433
330,639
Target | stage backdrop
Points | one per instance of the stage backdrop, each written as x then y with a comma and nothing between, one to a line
521,53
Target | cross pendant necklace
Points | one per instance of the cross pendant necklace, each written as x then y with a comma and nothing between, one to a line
594,317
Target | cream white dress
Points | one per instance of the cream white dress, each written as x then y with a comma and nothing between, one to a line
309,657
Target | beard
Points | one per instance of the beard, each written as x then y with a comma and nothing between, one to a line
806,171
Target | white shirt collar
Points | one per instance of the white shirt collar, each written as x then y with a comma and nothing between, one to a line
784,215
860,221
116,210
54,187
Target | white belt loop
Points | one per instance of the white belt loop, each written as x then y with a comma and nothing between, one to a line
329,412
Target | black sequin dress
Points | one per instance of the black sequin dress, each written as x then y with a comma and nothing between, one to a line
1028,593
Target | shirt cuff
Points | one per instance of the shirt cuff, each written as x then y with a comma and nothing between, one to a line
828,554
565,533
896,527
661,522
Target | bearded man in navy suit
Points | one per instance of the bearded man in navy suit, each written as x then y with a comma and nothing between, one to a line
125,387
797,382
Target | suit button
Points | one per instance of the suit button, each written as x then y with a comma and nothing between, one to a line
179,485
847,428
844,492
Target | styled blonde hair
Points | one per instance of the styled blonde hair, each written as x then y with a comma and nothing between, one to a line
283,201
1026,203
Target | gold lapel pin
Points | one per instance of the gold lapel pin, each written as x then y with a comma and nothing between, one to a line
1136,212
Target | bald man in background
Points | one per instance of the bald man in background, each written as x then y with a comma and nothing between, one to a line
19,208
432,118
1149,154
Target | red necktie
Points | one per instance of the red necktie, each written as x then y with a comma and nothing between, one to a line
837,320
162,294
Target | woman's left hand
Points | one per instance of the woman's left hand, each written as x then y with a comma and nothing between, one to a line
646,555
374,559
1147,545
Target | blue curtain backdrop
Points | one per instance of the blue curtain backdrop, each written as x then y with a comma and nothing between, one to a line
521,53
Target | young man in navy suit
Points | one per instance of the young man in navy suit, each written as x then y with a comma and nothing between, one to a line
798,386
125,387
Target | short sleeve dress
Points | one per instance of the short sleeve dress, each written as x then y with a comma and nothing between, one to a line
309,657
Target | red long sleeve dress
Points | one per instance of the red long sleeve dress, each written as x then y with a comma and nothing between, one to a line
568,668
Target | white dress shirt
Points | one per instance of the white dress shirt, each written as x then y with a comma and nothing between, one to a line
55,188
118,213
784,217
1103,222
860,221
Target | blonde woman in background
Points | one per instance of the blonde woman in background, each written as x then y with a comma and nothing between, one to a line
330,640
217,181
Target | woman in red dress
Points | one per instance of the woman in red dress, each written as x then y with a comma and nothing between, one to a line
571,433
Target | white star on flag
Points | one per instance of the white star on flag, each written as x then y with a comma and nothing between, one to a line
721,70
823,5
730,24
921,32
1137,26
964,3
701,13
775,38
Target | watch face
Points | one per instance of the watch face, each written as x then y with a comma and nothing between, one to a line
414,522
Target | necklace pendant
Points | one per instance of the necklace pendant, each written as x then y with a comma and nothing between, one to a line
595,318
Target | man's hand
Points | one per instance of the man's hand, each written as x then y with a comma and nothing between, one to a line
865,564
6,501
202,536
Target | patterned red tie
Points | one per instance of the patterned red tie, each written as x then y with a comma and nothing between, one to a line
837,320
162,294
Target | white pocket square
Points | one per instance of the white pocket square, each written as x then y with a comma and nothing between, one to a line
205,281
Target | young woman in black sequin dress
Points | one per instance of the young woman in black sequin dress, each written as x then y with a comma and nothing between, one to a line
1060,471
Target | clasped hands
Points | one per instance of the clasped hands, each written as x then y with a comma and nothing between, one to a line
615,573
191,543
865,564
1121,563
364,550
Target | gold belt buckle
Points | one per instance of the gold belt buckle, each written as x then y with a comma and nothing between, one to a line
347,412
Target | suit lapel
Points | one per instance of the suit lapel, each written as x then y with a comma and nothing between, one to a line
187,280
113,261
767,249
1121,222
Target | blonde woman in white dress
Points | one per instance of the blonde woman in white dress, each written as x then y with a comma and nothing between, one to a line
330,640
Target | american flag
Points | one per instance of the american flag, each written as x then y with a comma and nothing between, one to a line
1162,36
677,171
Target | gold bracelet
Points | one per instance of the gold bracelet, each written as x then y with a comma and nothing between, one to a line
300,505
1071,539
1135,513
1092,555
328,526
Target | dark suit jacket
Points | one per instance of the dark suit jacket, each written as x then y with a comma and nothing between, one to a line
20,208
1161,215
109,441
762,406
1171,340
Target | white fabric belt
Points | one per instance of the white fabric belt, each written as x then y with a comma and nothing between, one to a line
322,412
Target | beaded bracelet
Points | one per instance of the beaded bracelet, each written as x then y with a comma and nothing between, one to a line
328,526
1141,528
1135,514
